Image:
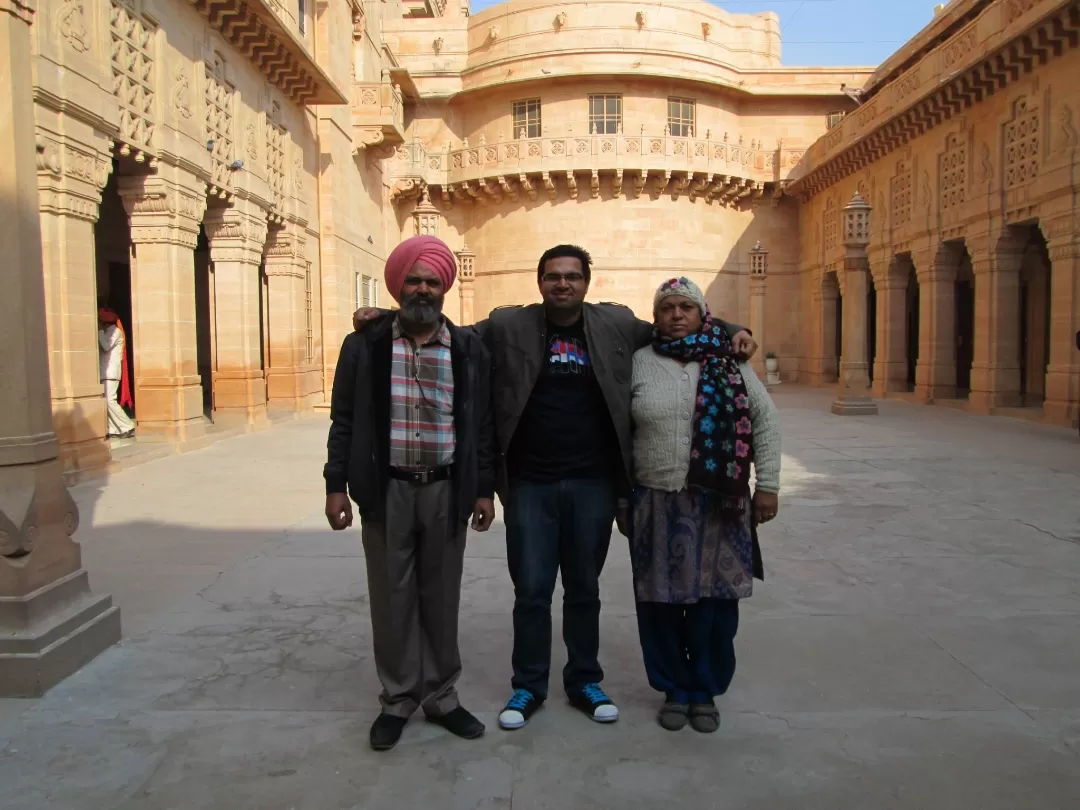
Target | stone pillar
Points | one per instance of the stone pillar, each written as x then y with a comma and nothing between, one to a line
237,235
50,622
164,211
467,280
759,270
823,368
853,393
890,364
1062,403
287,278
995,371
935,373
70,179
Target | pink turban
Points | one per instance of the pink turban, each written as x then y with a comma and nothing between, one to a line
431,251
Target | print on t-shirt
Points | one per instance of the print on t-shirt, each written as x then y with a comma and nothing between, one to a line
568,356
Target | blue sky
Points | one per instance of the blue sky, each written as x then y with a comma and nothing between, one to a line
833,32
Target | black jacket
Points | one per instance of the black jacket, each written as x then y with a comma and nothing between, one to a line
358,456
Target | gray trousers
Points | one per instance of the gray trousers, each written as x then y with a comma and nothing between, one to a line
414,565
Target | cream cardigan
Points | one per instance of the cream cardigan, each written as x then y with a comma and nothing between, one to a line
662,405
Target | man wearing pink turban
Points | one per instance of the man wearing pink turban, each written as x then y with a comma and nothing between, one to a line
412,441
429,251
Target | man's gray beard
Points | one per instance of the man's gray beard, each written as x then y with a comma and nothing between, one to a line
421,313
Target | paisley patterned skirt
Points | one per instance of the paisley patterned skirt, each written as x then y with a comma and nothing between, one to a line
684,549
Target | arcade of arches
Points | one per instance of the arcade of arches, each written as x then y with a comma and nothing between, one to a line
233,195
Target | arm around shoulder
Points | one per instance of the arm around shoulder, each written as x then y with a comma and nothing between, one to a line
765,419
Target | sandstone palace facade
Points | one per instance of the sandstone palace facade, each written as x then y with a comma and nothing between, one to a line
229,175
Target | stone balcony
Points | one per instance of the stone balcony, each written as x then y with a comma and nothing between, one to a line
378,114
729,172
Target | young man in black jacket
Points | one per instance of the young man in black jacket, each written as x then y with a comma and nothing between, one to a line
412,441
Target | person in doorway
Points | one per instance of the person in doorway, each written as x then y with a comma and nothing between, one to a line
411,440
112,348
561,384
701,418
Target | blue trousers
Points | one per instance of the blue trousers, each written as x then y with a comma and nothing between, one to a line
689,650
551,527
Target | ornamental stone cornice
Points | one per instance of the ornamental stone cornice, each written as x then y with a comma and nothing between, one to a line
1007,41
254,29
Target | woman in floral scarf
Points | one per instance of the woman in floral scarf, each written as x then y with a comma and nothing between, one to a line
701,419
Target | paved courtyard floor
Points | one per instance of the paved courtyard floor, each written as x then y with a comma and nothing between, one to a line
916,644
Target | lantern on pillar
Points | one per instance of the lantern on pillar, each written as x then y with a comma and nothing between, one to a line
759,260
857,222
466,278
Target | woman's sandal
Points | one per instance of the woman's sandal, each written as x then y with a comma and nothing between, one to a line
673,716
704,717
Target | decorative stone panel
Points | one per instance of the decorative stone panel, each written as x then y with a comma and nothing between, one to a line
132,62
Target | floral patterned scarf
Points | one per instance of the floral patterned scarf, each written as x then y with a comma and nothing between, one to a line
723,445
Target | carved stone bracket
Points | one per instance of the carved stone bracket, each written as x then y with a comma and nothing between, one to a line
21,518
236,234
161,210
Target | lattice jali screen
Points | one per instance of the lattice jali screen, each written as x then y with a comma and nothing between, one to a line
132,58
218,103
1022,139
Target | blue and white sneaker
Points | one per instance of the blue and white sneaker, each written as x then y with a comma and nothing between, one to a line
595,703
519,709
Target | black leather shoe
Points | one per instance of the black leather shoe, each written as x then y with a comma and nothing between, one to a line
461,723
386,731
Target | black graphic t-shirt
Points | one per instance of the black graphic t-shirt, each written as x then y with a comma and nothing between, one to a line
566,429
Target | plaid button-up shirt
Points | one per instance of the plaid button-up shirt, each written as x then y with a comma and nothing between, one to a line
421,402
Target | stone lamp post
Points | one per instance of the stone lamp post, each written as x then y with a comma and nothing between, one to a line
759,271
50,622
853,396
466,279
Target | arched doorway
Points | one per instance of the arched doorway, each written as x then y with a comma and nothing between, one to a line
911,318
965,325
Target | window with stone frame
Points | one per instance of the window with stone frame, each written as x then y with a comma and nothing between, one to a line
218,98
605,114
901,193
367,291
133,75
526,118
301,15
1021,145
952,171
681,116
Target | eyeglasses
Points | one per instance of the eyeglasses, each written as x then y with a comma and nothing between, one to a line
569,278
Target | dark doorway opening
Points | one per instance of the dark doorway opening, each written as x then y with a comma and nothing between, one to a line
204,319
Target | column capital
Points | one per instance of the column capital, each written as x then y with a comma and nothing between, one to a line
1062,236
161,210
237,233
939,262
285,251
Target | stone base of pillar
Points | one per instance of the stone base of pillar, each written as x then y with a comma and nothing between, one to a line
169,409
1062,404
298,389
240,398
889,378
52,633
852,405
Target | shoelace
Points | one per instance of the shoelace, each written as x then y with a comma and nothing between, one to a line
594,693
520,700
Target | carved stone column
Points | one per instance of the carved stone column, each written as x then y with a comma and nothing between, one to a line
164,211
1062,403
823,368
759,271
890,364
935,372
288,276
466,281
71,177
237,236
853,395
50,622
995,371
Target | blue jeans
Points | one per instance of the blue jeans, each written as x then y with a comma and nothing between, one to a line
564,525
689,650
